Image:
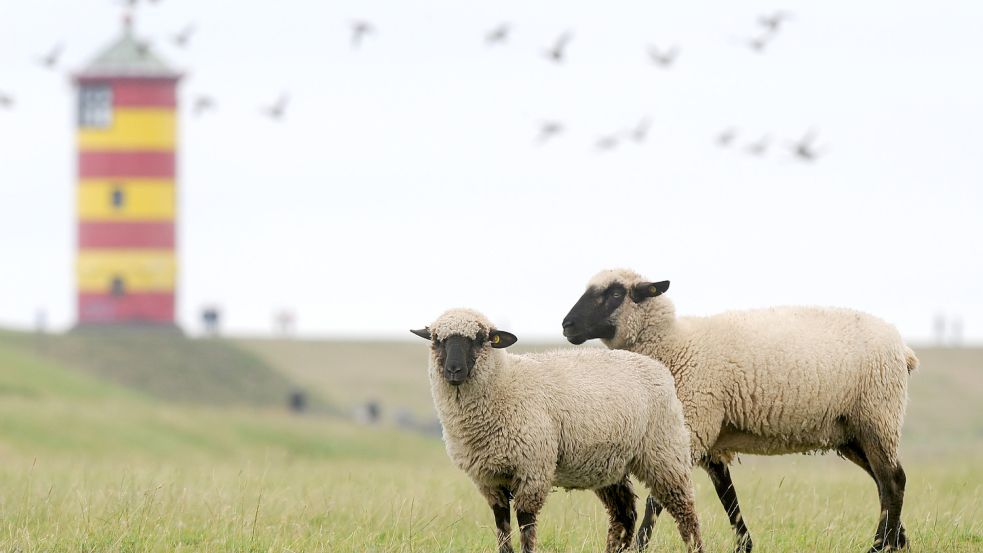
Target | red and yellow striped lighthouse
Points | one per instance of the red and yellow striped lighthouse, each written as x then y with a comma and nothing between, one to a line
127,139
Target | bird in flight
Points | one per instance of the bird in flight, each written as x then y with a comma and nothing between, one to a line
360,30
202,104
277,110
606,143
774,21
805,149
50,60
760,147
182,38
6,100
641,130
557,52
663,58
759,43
726,137
549,130
498,35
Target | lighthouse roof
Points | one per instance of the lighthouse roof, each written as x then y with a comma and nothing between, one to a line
128,57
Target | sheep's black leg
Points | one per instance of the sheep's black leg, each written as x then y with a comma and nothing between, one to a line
891,484
720,476
889,534
652,510
527,530
498,500
619,500
852,451
503,518
529,495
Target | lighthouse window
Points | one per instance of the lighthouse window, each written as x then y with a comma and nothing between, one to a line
117,197
117,287
95,106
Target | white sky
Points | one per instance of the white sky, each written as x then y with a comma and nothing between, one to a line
405,178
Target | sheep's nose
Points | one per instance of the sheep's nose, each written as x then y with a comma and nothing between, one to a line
455,368
568,323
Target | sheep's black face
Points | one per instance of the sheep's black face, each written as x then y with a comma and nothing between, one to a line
457,356
593,314
591,317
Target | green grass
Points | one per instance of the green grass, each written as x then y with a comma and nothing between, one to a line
164,364
361,501
350,373
91,466
23,375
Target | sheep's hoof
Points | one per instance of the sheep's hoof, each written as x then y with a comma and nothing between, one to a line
900,545
879,548
743,544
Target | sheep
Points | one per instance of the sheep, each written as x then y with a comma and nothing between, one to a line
518,425
768,382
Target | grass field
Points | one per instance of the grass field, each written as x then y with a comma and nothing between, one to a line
165,365
349,373
90,465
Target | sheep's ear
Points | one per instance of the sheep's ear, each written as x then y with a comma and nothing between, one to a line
501,339
422,333
644,290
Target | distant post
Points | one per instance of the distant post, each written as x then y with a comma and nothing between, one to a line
938,329
284,322
40,329
956,331
211,318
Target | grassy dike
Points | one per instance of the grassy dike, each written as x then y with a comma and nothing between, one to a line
87,465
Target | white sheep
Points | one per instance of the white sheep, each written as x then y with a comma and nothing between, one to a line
768,382
519,425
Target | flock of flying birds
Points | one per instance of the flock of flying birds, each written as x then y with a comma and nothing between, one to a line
769,25
361,31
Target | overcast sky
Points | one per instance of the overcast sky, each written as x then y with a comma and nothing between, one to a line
406,179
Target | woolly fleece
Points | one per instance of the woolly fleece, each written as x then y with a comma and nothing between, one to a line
773,381
573,418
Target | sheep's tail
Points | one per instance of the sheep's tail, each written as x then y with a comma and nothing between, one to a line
910,359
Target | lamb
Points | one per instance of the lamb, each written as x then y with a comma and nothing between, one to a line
518,425
768,382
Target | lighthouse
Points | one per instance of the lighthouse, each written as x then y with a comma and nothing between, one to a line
126,267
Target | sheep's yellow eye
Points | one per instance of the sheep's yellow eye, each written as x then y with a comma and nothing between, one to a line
653,290
496,339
